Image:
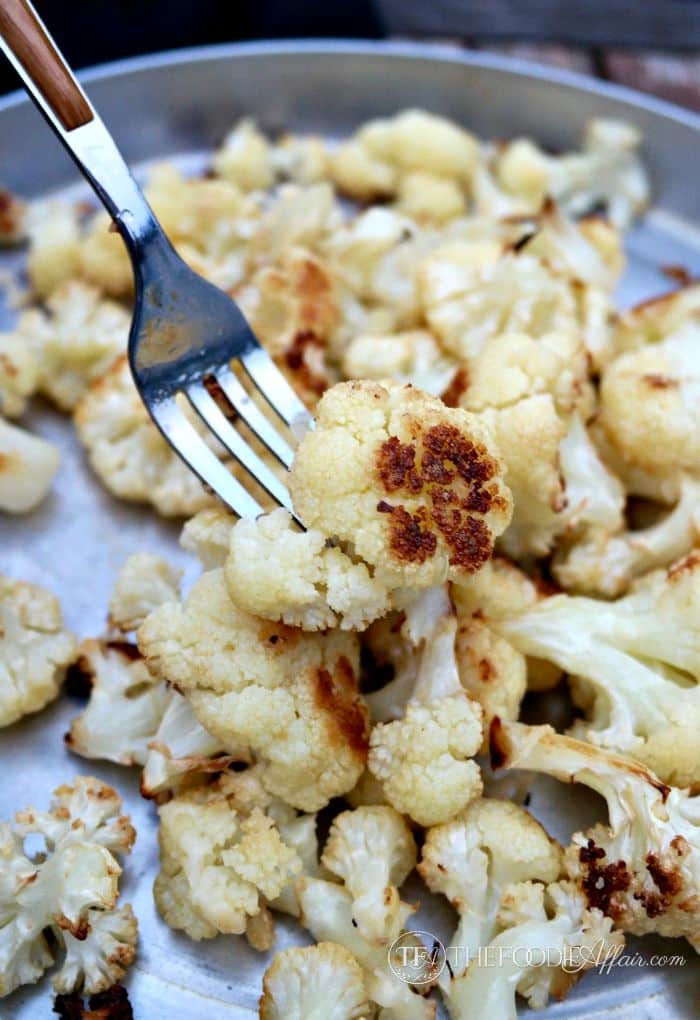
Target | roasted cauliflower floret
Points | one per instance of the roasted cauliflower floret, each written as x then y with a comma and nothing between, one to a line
74,340
411,357
639,691
652,391
280,573
412,485
473,290
643,868
217,863
322,982
35,650
245,157
291,696
28,465
472,860
423,760
19,374
54,249
128,453
372,850
70,890
375,162
144,582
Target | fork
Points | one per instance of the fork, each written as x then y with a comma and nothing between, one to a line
186,334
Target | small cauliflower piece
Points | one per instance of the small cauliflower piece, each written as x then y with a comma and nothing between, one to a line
207,536
411,357
428,197
640,692
472,860
653,391
280,573
413,485
245,157
35,650
217,863
144,582
74,340
128,453
327,912
71,890
643,868
605,564
54,248
322,982
28,465
538,924
473,290
422,760
372,850
19,374
291,696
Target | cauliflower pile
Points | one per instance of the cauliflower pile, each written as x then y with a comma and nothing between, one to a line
69,891
500,497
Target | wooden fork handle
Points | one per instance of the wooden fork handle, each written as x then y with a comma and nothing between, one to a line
28,41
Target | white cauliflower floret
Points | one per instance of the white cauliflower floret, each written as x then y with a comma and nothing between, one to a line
412,357
208,535
28,465
372,850
472,859
293,309
643,868
606,564
422,760
607,171
128,453
74,341
217,863
375,161
549,937
144,582
279,573
302,217
35,650
245,157
291,696
327,912
429,197
473,290
653,391
413,485
300,158
54,249
19,374
322,982
640,692
71,890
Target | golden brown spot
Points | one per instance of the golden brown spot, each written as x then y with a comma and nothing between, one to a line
445,445
304,359
11,210
396,466
686,565
338,698
409,540
278,636
500,748
7,462
457,388
602,882
660,382
679,274
8,367
486,671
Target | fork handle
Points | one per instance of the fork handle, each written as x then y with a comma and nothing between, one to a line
52,85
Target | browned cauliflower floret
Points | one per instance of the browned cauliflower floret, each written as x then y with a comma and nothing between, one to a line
19,374
322,982
414,487
127,451
28,465
291,696
35,650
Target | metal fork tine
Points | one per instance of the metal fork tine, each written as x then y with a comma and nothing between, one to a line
254,417
276,390
211,414
192,448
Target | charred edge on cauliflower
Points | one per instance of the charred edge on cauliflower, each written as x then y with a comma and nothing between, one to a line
337,697
440,460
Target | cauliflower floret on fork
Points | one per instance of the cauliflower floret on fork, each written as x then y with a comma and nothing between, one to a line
292,697
28,466
642,869
35,649
71,890
413,486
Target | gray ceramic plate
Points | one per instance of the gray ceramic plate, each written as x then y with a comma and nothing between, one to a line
181,104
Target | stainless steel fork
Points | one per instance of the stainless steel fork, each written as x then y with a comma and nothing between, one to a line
186,334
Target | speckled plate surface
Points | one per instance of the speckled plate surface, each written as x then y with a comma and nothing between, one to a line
179,105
